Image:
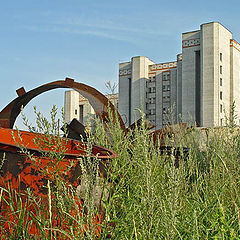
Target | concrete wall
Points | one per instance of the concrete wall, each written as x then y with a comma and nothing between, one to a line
140,67
190,44
158,71
215,39
71,105
235,77
88,110
179,87
124,85
174,88
72,102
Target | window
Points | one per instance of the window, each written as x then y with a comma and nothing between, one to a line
220,108
166,76
81,113
152,79
164,110
220,56
146,94
152,100
166,88
152,112
152,90
221,122
220,81
221,69
75,111
220,95
166,98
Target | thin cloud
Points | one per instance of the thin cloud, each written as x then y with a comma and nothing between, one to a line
77,31
101,25
107,25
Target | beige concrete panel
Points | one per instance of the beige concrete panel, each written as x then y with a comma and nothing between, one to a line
158,100
215,40
71,105
125,76
222,40
235,80
207,59
190,45
140,70
174,94
179,89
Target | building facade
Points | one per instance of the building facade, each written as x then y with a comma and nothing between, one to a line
199,87
76,106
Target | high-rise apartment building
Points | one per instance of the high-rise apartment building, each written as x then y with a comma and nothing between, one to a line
76,106
199,87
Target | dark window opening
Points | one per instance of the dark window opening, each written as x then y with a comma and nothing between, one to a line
81,113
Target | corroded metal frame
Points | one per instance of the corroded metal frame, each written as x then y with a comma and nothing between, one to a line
98,101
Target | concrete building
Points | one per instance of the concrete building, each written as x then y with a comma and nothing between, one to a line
199,87
76,106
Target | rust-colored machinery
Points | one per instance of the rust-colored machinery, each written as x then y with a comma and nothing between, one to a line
20,171
15,165
26,163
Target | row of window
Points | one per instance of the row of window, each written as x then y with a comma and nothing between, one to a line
165,110
152,100
220,57
220,93
152,90
165,77
153,111
152,79
166,88
221,122
165,99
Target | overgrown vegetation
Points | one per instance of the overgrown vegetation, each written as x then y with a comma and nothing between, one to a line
143,195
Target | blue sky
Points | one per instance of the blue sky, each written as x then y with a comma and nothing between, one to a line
47,40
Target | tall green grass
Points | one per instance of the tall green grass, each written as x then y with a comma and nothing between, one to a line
144,195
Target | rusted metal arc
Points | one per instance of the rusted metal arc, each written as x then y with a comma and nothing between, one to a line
97,100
